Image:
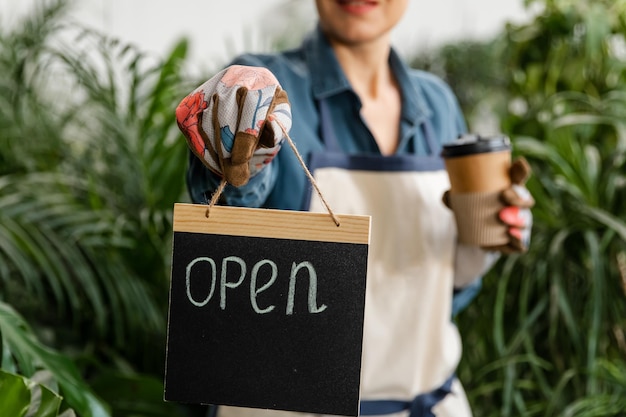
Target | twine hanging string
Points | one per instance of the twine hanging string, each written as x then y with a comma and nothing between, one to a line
216,195
308,173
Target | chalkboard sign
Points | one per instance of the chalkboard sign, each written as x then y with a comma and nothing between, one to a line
266,309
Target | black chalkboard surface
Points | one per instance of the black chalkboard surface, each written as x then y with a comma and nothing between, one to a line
266,309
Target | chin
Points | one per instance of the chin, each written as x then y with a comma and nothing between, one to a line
355,35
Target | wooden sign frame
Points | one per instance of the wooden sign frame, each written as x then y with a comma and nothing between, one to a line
266,309
279,224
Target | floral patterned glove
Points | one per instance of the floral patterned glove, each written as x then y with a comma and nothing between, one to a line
233,121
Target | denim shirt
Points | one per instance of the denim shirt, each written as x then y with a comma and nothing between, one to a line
311,73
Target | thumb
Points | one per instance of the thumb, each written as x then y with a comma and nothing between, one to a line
517,194
520,171
236,168
445,199
271,133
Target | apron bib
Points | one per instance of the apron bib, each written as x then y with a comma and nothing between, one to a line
410,344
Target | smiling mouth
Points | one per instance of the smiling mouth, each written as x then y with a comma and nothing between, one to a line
357,6
356,2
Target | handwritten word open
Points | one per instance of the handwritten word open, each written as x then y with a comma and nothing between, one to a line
262,276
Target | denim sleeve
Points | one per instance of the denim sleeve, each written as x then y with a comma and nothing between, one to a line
463,297
201,183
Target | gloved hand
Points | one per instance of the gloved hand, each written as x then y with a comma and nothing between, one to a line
233,121
516,214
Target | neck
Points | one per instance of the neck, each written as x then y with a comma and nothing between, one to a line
366,66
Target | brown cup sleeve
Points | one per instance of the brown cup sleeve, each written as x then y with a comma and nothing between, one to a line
477,220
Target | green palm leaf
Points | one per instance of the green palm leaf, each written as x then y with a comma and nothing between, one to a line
18,338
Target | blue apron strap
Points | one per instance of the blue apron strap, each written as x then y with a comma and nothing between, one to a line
420,406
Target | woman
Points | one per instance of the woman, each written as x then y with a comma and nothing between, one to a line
371,131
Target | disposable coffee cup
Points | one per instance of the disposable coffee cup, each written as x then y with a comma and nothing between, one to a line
478,168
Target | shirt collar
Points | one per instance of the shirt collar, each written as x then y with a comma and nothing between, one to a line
328,79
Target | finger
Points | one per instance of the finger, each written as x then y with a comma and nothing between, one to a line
519,240
278,117
513,246
253,109
240,148
244,146
445,198
267,136
517,195
515,216
520,235
525,232
188,117
520,171
236,174
215,147
506,249
515,233
516,246
519,222
194,123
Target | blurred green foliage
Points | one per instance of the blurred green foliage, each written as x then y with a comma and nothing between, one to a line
547,335
91,163
90,166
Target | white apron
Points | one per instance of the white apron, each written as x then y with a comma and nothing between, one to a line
411,348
